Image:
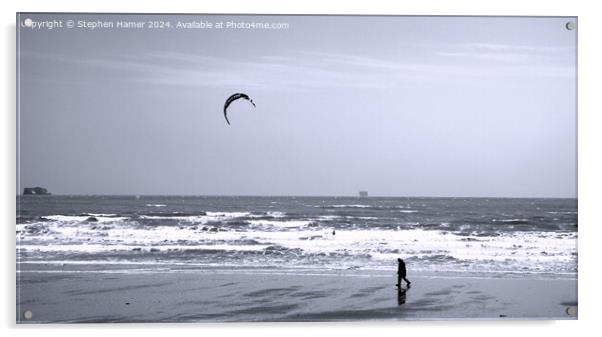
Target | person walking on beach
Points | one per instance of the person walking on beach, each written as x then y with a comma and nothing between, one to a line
401,273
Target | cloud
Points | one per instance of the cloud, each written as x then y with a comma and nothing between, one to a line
505,53
319,70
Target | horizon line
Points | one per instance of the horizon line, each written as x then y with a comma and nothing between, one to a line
299,196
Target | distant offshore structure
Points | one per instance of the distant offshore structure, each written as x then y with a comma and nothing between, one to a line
363,194
35,191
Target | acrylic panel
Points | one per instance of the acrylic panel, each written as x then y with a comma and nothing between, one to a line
228,168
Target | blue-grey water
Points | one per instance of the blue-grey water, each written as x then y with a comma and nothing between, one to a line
489,235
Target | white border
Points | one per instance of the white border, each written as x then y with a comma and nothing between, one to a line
590,18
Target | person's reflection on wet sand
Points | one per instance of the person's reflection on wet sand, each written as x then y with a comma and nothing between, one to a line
401,296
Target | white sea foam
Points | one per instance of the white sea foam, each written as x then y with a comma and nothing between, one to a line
511,220
376,247
277,214
283,224
99,248
228,214
329,217
200,219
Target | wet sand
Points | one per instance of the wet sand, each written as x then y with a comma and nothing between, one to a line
231,295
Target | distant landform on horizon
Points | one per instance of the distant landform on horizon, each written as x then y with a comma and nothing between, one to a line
36,191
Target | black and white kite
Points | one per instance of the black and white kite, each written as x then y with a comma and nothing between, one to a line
232,99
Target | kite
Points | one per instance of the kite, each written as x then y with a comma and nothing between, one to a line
232,99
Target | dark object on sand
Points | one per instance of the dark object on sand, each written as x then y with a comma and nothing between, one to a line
35,190
232,99
401,273
401,296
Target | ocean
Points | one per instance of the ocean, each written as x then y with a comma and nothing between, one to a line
492,236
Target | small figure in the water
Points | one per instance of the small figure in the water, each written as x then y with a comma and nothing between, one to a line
333,232
401,273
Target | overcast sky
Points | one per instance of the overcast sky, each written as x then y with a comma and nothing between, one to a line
398,106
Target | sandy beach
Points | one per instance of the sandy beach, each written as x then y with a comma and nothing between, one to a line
218,295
